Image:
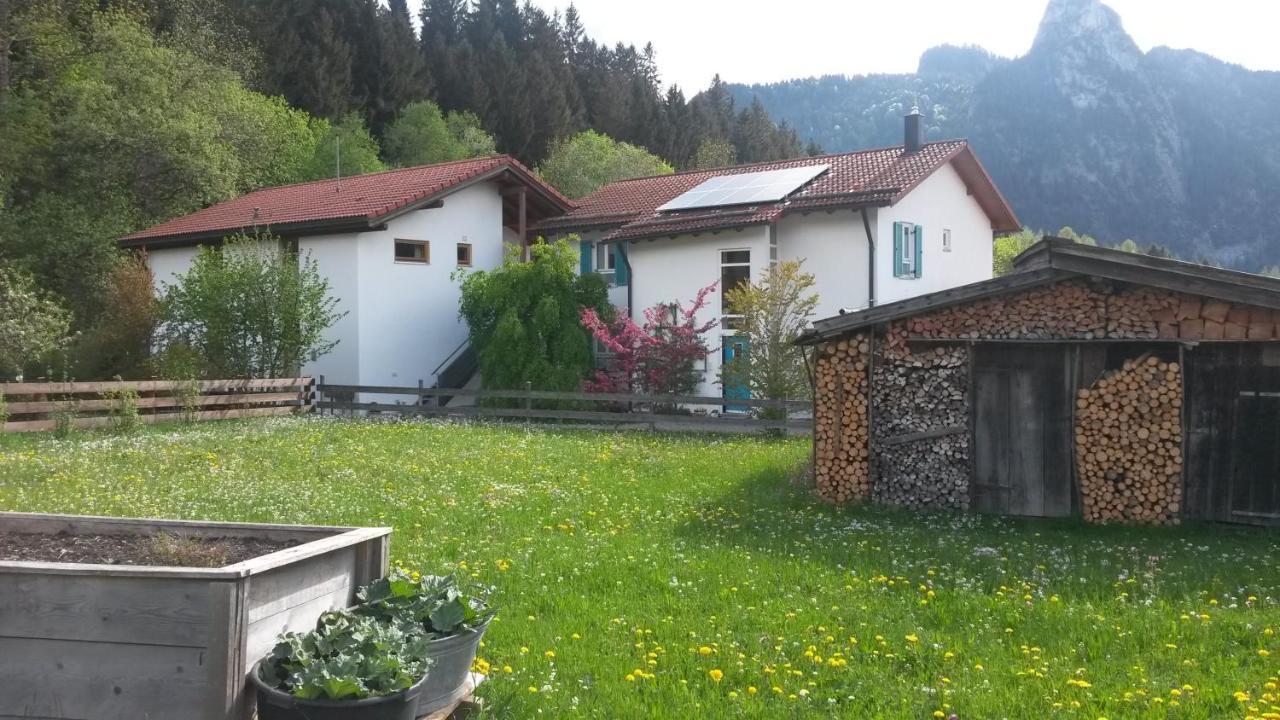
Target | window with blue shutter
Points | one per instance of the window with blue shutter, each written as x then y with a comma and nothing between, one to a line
917,266
897,249
908,250
585,249
622,274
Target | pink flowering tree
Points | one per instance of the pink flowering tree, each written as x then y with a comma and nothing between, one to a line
659,357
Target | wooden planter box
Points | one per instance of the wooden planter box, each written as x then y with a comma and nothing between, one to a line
107,642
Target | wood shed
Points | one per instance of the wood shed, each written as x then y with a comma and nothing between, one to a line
1088,382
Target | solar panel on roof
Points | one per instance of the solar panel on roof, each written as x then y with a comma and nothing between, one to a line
745,188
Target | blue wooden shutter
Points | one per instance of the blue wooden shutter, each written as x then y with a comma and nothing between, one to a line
897,249
919,251
620,274
585,256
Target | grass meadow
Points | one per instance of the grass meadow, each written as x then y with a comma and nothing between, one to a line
688,577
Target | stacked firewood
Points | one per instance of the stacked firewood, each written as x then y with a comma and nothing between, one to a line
1129,444
841,471
1075,309
924,474
920,406
1196,318
898,350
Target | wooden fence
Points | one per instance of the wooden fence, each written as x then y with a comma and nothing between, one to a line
37,406
701,413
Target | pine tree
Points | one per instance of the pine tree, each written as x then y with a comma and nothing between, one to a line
401,77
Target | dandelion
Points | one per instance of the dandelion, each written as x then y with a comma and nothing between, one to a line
717,674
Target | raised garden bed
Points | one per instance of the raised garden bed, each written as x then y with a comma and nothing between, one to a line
112,640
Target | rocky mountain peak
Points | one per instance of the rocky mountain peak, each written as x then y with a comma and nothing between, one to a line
1069,24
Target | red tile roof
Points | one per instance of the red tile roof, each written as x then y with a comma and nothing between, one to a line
864,178
358,201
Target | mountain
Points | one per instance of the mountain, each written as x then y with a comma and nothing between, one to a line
1168,146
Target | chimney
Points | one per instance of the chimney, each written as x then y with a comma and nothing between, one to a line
914,131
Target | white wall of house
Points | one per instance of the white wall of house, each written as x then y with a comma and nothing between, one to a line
939,203
168,263
408,311
617,293
676,268
833,247
402,317
338,260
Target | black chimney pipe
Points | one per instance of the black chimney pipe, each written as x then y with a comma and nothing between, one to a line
914,131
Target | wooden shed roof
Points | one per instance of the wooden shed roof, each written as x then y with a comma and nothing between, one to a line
1055,259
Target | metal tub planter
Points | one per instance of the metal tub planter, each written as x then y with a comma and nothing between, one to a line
452,658
103,640
404,650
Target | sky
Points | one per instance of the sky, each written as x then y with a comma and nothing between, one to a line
748,41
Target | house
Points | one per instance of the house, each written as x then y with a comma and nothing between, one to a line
873,227
388,244
1088,382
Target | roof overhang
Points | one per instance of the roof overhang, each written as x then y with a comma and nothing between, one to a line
979,185
544,199
1055,259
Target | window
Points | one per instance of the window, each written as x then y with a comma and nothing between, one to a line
413,251
908,238
946,241
735,270
606,259
464,254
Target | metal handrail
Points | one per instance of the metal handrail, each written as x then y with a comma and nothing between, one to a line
448,359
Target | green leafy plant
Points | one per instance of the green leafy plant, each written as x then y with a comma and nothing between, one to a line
348,656
64,420
251,309
435,604
123,414
523,318
4,411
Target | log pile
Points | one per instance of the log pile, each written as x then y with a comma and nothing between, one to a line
1129,444
841,471
920,434
1082,310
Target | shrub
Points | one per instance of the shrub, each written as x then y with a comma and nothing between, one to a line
523,319
119,343
250,309
657,358
774,311
64,421
123,414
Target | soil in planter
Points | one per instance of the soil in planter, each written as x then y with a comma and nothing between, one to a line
158,549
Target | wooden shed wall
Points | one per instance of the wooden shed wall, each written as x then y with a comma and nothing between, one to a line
1233,432
911,374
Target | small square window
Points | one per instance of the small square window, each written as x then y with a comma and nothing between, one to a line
464,254
413,251
946,241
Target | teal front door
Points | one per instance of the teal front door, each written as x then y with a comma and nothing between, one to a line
735,347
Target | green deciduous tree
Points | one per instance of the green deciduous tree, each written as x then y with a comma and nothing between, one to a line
107,130
1007,247
423,135
32,324
774,311
713,153
119,344
341,148
524,318
251,309
581,164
